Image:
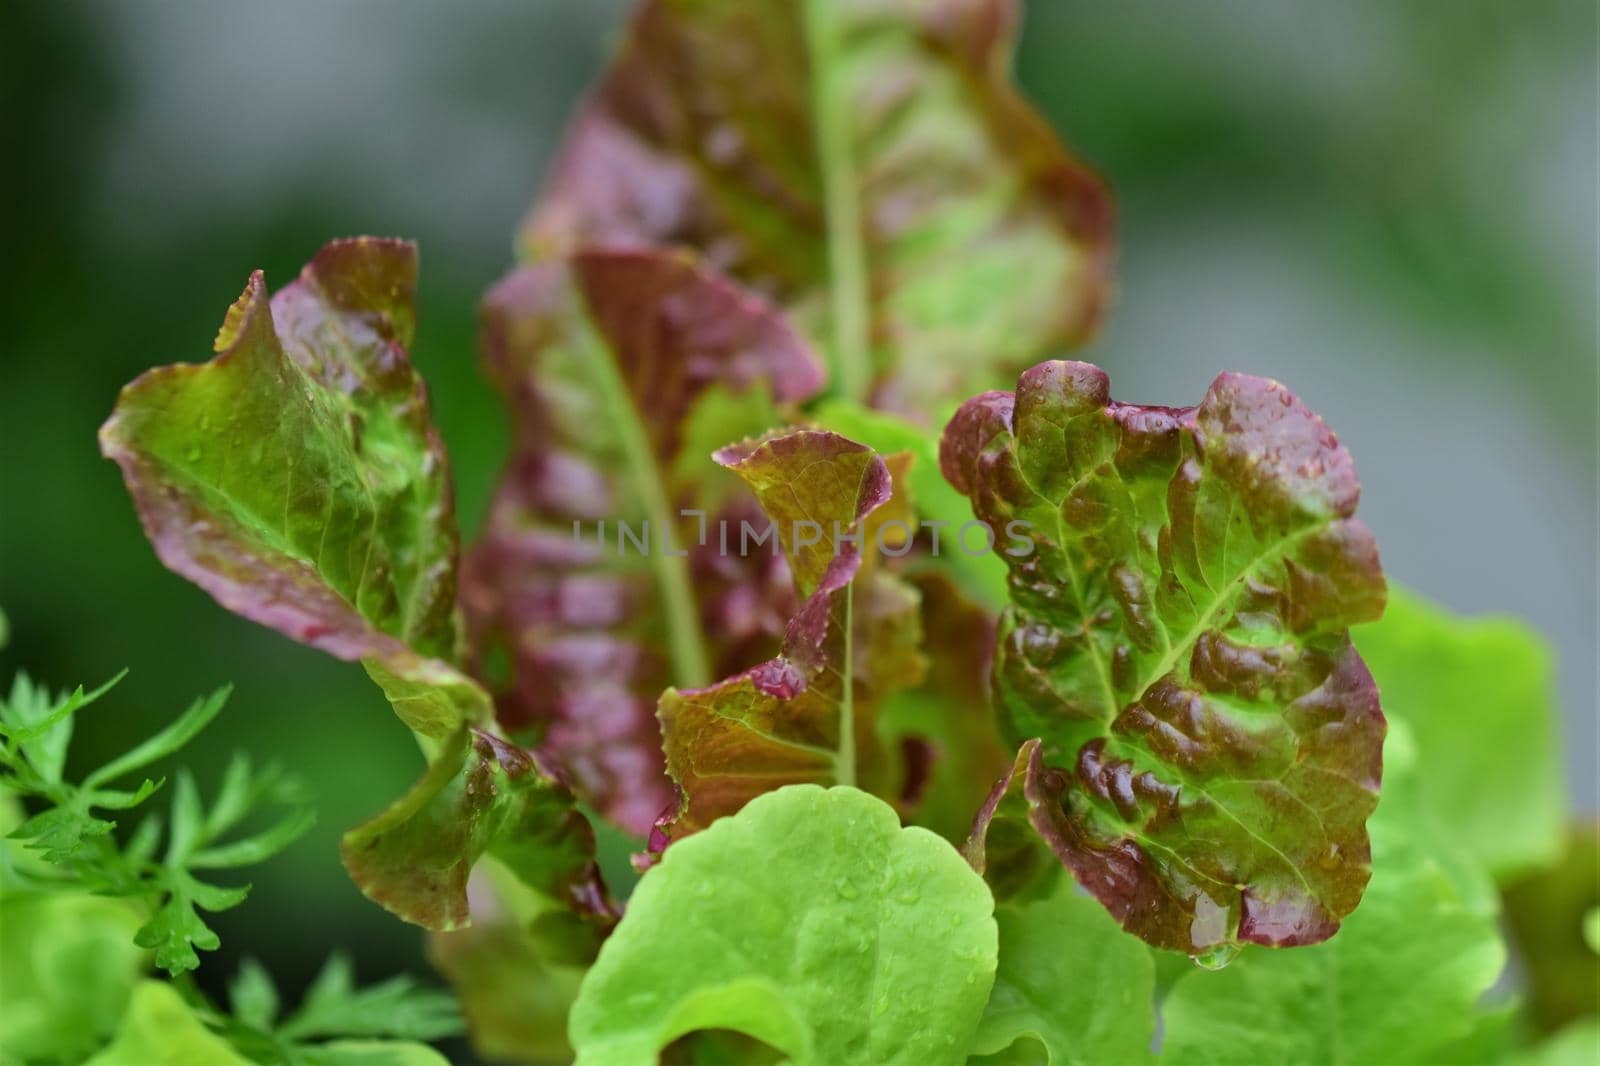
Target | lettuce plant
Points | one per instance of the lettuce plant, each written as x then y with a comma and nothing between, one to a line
955,710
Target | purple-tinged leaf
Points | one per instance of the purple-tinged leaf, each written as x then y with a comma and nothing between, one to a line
809,715
869,165
481,795
623,371
298,478
1209,743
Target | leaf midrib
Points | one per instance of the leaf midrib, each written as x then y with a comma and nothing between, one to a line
1176,649
685,650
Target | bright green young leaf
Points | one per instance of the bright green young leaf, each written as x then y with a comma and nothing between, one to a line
1178,644
160,1029
623,371
870,164
809,715
810,921
1401,981
1478,695
1071,981
68,966
297,478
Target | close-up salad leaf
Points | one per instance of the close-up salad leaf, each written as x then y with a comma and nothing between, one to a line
802,656
1208,739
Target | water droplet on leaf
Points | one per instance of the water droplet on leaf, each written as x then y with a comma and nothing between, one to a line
1216,958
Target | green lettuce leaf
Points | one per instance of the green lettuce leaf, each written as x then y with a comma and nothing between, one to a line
843,939
623,370
160,1029
1478,695
298,478
1401,982
870,165
1071,982
481,796
1177,640
809,715
68,968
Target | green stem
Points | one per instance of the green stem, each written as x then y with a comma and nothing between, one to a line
850,353
689,665
846,772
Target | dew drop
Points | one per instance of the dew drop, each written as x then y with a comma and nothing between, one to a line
1216,958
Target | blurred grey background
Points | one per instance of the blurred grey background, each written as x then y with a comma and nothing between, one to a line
1387,204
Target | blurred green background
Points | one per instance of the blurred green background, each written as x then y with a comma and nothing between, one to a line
1388,205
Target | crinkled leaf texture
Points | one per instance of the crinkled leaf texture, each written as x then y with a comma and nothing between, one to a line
1401,983
1478,695
298,478
811,921
869,165
1208,741
809,715
1071,982
623,371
